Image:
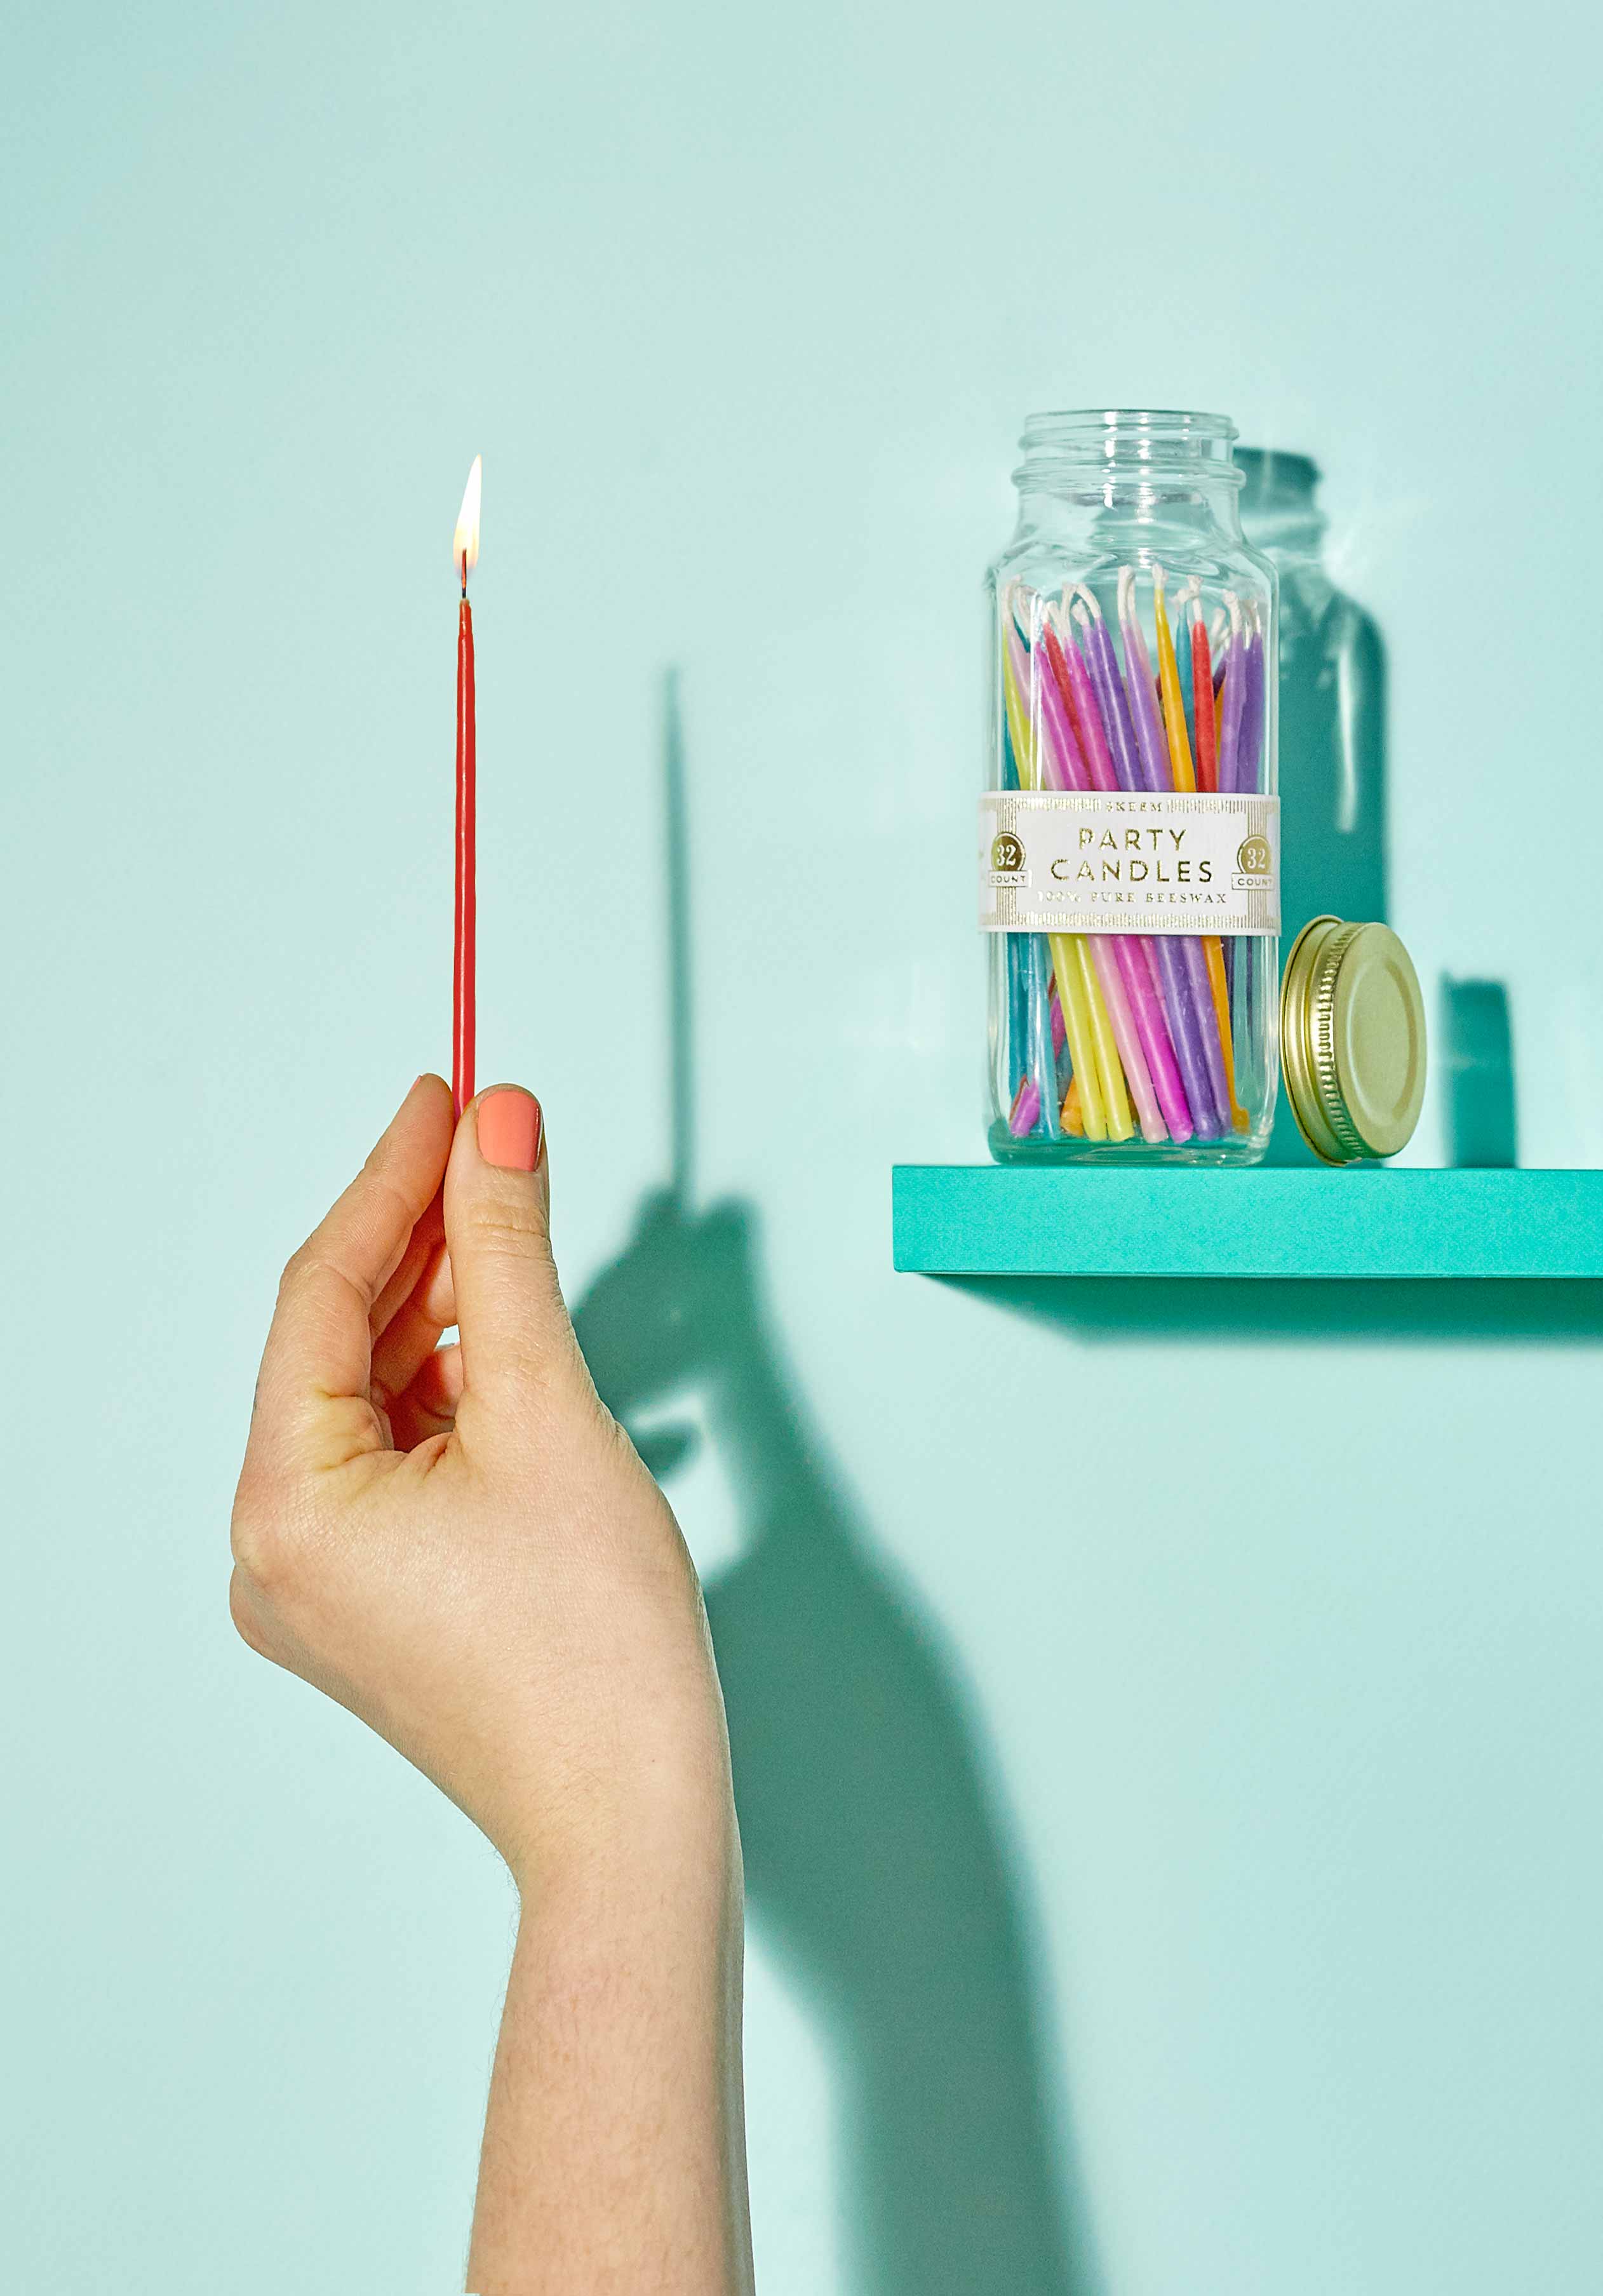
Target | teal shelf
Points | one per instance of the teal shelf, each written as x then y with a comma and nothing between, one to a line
987,1219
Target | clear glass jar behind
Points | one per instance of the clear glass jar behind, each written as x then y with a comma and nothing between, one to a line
1127,592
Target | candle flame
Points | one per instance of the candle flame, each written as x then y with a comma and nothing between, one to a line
464,542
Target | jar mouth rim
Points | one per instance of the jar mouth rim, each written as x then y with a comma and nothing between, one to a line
1081,449
1081,425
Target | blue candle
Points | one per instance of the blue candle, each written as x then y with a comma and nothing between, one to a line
1035,1042
1250,751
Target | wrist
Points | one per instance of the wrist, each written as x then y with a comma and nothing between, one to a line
662,1822
621,2044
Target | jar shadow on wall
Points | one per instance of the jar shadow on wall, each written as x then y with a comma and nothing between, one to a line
1333,800
876,1842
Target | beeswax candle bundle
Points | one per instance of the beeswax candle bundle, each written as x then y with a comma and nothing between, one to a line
1129,832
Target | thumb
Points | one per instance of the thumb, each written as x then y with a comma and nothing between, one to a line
510,1313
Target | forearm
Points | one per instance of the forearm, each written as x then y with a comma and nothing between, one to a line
460,1543
614,2154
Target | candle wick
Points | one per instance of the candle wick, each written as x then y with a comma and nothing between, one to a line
464,573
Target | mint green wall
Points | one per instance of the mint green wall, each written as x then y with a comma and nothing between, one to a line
1169,1725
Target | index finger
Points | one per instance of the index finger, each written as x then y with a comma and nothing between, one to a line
319,1349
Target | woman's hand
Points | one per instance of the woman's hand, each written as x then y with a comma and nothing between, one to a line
460,1546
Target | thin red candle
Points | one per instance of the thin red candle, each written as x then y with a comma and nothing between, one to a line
463,984
464,939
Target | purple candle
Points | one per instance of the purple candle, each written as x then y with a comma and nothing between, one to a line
1234,704
1248,764
1151,744
1186,1029
1249,753
1025,1112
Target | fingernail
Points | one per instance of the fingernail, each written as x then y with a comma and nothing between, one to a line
509,1128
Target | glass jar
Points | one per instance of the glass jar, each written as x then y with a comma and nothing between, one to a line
1129,850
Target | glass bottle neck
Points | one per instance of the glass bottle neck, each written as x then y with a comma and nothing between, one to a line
1063,511
1088,472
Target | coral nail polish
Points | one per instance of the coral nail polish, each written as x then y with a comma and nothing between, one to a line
509,1128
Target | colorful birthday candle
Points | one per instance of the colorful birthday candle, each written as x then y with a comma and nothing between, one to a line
1186,996
1185,1024
1068,667
1150,743
1249,754
1043,1064
1233,699
1119,1046
1104,665
1181,771
1085,1012
1185,778
1205,722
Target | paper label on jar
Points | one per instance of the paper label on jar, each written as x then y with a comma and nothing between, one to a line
1128,862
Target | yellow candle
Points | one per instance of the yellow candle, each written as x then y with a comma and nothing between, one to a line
1019,731
1076,1013
1111,1073
1168,687
1089,1030
1076,1028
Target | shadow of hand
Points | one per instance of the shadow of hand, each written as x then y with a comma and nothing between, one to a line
873,1851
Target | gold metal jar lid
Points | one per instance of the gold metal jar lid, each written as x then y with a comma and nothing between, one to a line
1352,1040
